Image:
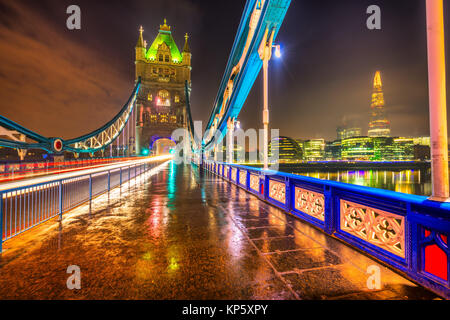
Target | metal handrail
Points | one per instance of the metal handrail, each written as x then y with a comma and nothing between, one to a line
407,232
30,204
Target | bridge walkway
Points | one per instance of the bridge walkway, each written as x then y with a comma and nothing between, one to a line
180,234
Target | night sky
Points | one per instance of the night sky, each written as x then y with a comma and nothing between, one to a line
67,83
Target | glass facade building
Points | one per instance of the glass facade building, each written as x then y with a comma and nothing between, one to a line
314,149
288,149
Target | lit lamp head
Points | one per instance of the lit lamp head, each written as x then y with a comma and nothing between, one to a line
277,50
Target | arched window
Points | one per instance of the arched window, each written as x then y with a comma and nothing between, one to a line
164,94
163,98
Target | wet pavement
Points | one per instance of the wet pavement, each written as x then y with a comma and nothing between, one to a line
181,235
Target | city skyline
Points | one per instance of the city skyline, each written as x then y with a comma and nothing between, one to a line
242,150
315,68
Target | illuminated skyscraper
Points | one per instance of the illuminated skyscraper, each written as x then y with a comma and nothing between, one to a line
379,126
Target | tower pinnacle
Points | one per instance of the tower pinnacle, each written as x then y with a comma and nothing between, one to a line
186,44
164,27
140,43
379,124
377,84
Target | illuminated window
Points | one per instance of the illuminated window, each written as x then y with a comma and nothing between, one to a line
173,119
150,97
161,57
163,118
163,98
153,118
163,94
177,99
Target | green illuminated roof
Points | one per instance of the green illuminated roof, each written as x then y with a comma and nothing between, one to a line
164,36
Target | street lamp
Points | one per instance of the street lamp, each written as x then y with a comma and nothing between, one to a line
277,51
265,53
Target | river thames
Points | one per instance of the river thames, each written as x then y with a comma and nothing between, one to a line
412,181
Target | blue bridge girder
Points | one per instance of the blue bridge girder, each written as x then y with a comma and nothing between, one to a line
92,142
244,63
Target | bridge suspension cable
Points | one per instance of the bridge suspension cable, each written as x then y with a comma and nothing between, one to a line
260,17
118,128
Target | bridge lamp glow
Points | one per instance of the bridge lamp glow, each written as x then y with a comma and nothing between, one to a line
145,152
277,50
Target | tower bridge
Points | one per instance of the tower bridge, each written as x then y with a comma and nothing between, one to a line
161,102
208,229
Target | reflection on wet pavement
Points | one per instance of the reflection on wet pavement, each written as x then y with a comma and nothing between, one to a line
182,235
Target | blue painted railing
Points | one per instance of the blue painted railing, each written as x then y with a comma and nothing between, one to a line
27,206
407,232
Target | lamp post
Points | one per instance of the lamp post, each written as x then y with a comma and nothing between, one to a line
438,103
230,142
265,54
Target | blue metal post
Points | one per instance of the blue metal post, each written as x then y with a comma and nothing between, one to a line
60,200
120,179
90,187
109,181
289,195
1,222
331,215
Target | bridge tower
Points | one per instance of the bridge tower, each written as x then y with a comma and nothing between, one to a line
161,103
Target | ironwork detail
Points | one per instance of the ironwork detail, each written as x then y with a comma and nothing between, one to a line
234,174
310,203
277,191
254,182
380,228
243,178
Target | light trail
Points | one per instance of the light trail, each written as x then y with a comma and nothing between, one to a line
56,177
29,170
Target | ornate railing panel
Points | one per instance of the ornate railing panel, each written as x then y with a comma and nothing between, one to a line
380,228
243,177
254,182
409,233
310,202
234,174
277,191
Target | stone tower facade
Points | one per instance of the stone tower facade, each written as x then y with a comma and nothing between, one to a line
161,103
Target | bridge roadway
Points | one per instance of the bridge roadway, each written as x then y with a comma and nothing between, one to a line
178,234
